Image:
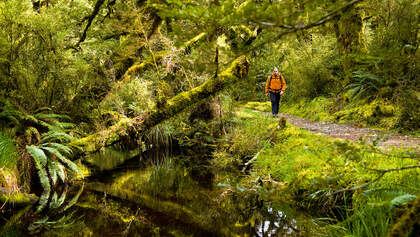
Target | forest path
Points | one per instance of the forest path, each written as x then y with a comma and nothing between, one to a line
351,132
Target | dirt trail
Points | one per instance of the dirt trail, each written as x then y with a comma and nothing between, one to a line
350,132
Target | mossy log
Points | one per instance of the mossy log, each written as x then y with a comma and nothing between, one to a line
131,128
16,198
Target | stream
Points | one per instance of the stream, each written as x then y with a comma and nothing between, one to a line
161,195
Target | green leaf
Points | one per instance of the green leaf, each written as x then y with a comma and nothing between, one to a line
62,159
53,116
53,169
54,201
38,154
62,148
61,172
56,136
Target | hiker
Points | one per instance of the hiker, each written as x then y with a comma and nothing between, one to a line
275,86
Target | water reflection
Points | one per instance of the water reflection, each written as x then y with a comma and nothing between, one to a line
170,197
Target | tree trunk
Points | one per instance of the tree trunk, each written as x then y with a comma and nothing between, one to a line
133,128
349,33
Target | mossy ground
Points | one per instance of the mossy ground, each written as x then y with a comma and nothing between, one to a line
307,169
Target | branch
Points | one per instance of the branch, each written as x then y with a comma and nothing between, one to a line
90,19
292,29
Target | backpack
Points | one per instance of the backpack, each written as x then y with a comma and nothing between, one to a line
281,81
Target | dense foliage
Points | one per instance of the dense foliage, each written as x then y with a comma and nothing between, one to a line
73,68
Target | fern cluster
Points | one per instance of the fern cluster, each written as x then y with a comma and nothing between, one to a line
45,136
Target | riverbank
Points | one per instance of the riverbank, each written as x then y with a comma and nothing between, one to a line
347,183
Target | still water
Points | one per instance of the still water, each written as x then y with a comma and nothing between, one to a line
159,196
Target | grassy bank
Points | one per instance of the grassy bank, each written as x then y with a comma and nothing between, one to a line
358,188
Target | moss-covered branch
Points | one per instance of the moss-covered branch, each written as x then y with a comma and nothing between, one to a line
16,198
129,128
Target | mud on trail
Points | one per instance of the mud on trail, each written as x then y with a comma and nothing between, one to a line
353,133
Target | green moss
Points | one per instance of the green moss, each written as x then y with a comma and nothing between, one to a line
302,166
17,198
260,106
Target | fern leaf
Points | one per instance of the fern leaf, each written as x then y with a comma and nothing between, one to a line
42,109
53,116
401,200
61,172
43,176
62,198
62,159
74,199
63,125
38,154
56,136
53,169
8,151
62,148
54,201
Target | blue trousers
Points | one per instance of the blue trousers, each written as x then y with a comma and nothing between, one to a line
275,100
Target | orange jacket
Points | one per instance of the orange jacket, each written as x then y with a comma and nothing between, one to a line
275,83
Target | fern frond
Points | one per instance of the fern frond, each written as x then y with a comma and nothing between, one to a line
63,125
60,147
62,159
54,201
38,155
53,169
62,198
53,116
74,199
61,172
42,109
43,177
401,200
56,136
30,133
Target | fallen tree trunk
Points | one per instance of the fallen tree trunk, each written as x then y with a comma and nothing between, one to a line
16,198
133,128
